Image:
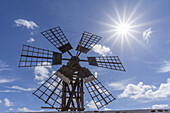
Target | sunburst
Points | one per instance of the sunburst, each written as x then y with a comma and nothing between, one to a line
124,27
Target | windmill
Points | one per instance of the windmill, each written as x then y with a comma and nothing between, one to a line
64,89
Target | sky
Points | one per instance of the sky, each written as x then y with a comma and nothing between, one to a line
143,47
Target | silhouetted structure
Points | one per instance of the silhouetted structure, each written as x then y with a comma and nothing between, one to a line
65,86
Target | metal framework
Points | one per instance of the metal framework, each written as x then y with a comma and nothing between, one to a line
51,91
73,96
33,56
57,38
63,91
110,62
100,95
88,40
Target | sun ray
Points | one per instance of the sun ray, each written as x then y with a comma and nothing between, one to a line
111,37
129,44
135,31
121,45
117,23
117,38
124,13
133,12
118,15
135,19
132,36
126,27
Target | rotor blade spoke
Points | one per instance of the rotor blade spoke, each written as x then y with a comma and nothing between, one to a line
58,39
99,94
87,41
33,56
50,91
110,62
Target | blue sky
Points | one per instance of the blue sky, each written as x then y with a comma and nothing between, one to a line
144,53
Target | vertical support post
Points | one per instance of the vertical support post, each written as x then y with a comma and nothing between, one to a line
63,96
82,95
73,98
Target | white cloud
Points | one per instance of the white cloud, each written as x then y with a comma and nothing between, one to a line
42,73
11,109
107,109
8,103
147,33
24,109
159,106
5,69
26,23
95,74
146,91
102,50
8,91
92,105
31,40
4,66
165,67
120,85
21,88
4,80
0,101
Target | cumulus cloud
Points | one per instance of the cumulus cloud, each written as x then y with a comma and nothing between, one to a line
147,33
146,91
31,40
102,50
8,103
159,106
165,67
21,88
4,80
92,105
26,23
120,85
42,73
0,101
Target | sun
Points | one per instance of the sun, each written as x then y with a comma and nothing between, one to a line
123,28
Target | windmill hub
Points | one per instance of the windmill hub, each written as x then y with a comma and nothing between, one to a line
74,63
75,59
64,89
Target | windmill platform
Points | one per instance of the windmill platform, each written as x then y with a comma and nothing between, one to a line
114,111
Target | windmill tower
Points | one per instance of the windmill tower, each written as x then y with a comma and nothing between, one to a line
65,87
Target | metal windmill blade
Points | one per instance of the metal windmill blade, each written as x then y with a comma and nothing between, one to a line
33,56
58,39
110,62
50,91
64,89
99,94
87,41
